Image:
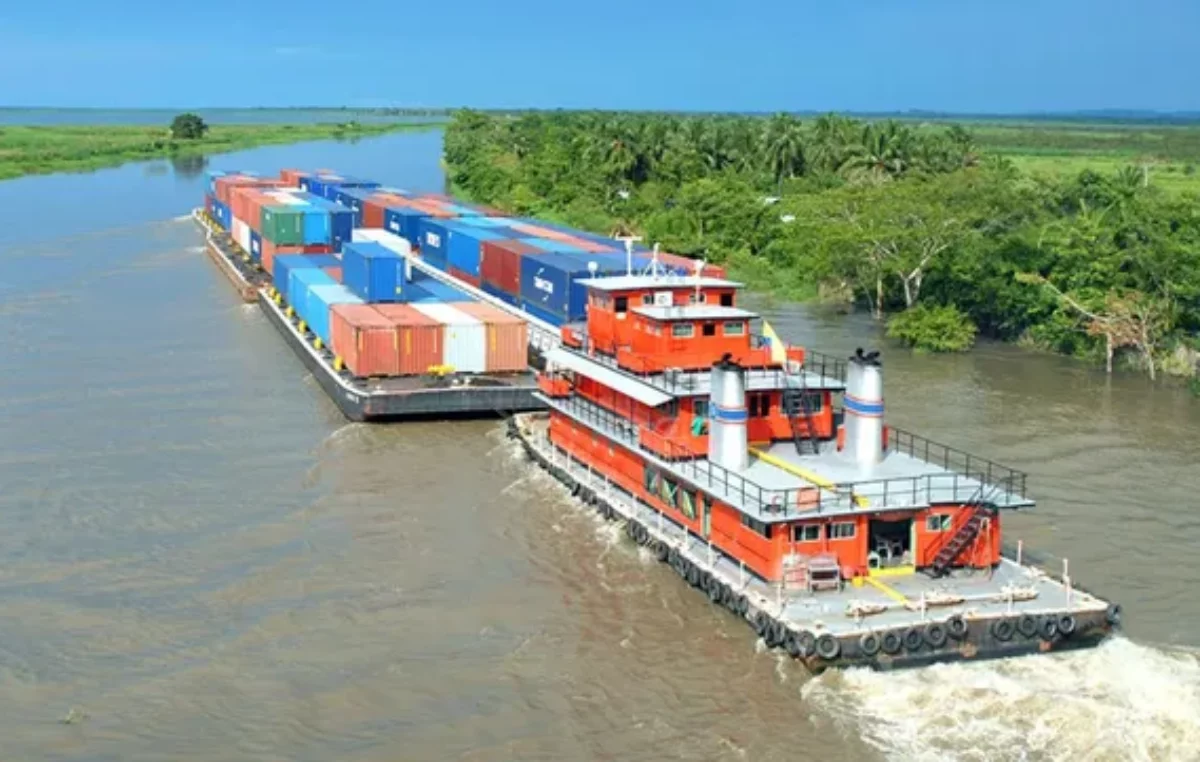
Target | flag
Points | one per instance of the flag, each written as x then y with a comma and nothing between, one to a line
778,350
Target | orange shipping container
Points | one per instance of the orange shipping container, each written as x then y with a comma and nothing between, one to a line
270,251
372,208
418,338
334,272
507,336
364,339
291,177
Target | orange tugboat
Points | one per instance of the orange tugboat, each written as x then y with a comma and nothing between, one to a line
765,475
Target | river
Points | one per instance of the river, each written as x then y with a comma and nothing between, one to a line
200,559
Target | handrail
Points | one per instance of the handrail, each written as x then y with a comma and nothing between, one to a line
976,502
958,461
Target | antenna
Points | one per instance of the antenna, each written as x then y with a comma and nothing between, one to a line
654,262
629,241
699,265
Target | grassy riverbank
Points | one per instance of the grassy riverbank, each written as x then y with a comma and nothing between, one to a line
1081,239
29,150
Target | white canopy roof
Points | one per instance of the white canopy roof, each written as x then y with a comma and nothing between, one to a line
627,385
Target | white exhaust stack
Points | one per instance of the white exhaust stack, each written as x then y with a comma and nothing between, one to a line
864,409
727,443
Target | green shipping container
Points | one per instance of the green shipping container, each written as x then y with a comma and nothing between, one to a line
283,225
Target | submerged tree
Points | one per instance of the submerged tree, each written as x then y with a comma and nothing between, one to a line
188,126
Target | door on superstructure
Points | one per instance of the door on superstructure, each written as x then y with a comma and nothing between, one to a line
890,543
705,514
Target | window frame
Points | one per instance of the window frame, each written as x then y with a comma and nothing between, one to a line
740,325
762,529
841,524
945,522
799,530
689,334
621,305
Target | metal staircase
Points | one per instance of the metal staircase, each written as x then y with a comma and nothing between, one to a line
800,416
980,509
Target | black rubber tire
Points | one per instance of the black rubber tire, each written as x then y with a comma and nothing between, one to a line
1027,625
761,623
1002,629
705,580
778,634
1067,625
1048,628
693,575
807,643
913,639
1113,614
869,644
791,644
743,605
672,556
892,643
660,552
957,627
714,592
828,647
936,635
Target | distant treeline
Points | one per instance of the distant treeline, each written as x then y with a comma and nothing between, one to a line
899,217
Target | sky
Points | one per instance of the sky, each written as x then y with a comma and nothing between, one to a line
1013,56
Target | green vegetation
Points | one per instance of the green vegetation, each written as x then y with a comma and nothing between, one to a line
188,127
40,150
891,216
945,328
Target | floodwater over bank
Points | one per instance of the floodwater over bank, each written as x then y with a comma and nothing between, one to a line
199,559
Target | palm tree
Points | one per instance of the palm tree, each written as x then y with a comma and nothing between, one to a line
785,148
831,136
881,152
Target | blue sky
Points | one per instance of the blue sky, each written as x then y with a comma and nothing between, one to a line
871,55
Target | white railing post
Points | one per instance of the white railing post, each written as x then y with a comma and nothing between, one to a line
1067,581
1020,551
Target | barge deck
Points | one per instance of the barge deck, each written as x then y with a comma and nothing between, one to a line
374,399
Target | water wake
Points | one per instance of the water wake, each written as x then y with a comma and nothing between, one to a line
1122,701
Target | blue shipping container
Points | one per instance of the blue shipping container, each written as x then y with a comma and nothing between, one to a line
316,226
432,241
221,213
542,314
404,222
318,301
281,270
547,244
373,272
300,280
430,290
491,290
255,245
550,282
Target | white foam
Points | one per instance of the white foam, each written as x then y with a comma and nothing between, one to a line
1122,701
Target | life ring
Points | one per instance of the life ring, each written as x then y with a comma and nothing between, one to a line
956,626
1048,627
913,639
1002,629
1027,625
869,644
807,643
935,634
892,642
792,644
1113,614
1067,625
828,647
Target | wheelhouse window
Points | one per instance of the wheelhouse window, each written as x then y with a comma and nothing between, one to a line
758,405
726,300
758,526
686,503
650,479
806,533
735,328
692,299
794,400
842,530
647,299
683,330
709,329
622,304
937,523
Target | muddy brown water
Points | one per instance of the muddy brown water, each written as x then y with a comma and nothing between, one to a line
200,559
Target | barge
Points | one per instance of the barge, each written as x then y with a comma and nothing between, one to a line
765,476
438,395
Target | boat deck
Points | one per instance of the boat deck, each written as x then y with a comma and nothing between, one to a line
985,594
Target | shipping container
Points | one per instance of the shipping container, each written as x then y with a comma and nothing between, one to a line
374,272
533,230
255,246
550,281
292,176
491,290
366,340
432,241
301,281
550,244
418,338
316,226
221,214
282,266
543,314
212,181
270,251
462,245
500,264
283,224
507,337
335,273
465,277
384,238
319,301
374,209
430,290
241,234
464,338
404,221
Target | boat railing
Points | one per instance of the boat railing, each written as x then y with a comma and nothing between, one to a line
1007,482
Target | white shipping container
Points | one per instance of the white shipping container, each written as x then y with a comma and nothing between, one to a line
382,237
464,339
241,234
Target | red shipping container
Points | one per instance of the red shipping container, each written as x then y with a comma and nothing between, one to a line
373,208
419,339
507,337
334,272
465,277
364,339
500,264
291,177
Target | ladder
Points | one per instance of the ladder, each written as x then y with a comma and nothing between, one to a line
800,417
961,539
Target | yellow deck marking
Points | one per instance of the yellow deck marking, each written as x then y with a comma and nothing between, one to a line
893,571
887,590
803,473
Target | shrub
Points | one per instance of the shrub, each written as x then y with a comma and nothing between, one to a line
188,127
933,329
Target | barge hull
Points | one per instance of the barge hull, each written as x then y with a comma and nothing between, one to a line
984,637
